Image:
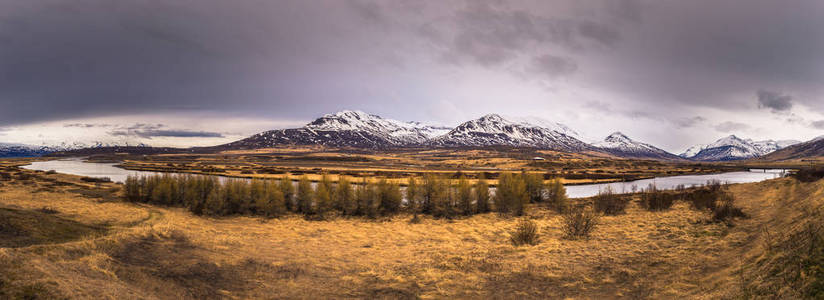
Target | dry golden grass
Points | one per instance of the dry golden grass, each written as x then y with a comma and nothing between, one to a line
155,252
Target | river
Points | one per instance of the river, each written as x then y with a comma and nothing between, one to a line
77,166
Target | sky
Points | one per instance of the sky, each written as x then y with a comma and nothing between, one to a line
193,73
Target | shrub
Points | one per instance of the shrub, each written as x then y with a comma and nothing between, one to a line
526,233
464,197
511,195
86,179
288,191
412,196
703,198
390,197
809,174
272,203
367,198
346,197
556,195
324,192
726,210
656,200
433,190
579,222
534,184
436,196
304,196
609,203
481,192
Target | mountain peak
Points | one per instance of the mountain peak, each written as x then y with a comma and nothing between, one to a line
618,143
733,147
617,136
492,118
496,130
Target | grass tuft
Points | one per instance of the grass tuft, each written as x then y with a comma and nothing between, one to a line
526,233
579,222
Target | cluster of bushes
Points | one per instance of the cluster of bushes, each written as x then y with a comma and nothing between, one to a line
713,198
654,199
579,222
809,174
205,195
439,197
610,203
435,195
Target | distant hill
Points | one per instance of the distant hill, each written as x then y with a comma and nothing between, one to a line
810,149
734,148
495,130
620,145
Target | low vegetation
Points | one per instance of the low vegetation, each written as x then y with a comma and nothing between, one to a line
654,199
435,195
525,233
579,222
609,203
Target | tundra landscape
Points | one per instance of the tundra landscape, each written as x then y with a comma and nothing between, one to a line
362,149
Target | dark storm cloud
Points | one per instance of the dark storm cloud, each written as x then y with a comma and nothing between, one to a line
709,53
491,33
774,100
74,59
297,59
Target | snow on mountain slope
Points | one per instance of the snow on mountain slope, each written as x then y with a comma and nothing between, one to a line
20,150
495,130
692,151
768,146
346,129
619,144
734,148
396,131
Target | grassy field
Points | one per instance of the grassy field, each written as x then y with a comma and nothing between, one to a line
63,237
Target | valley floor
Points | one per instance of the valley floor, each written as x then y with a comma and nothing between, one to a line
400,164
62,237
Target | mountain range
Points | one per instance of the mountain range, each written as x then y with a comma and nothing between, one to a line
21,150
357,129
811,148
362,130
734,148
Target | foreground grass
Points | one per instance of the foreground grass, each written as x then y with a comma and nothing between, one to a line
156,252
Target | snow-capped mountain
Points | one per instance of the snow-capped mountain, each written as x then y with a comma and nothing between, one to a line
693,151
734,148
346,129
619,144
20,150
361,130
810,149
495,130
397,132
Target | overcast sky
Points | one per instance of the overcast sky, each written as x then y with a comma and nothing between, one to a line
670,73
